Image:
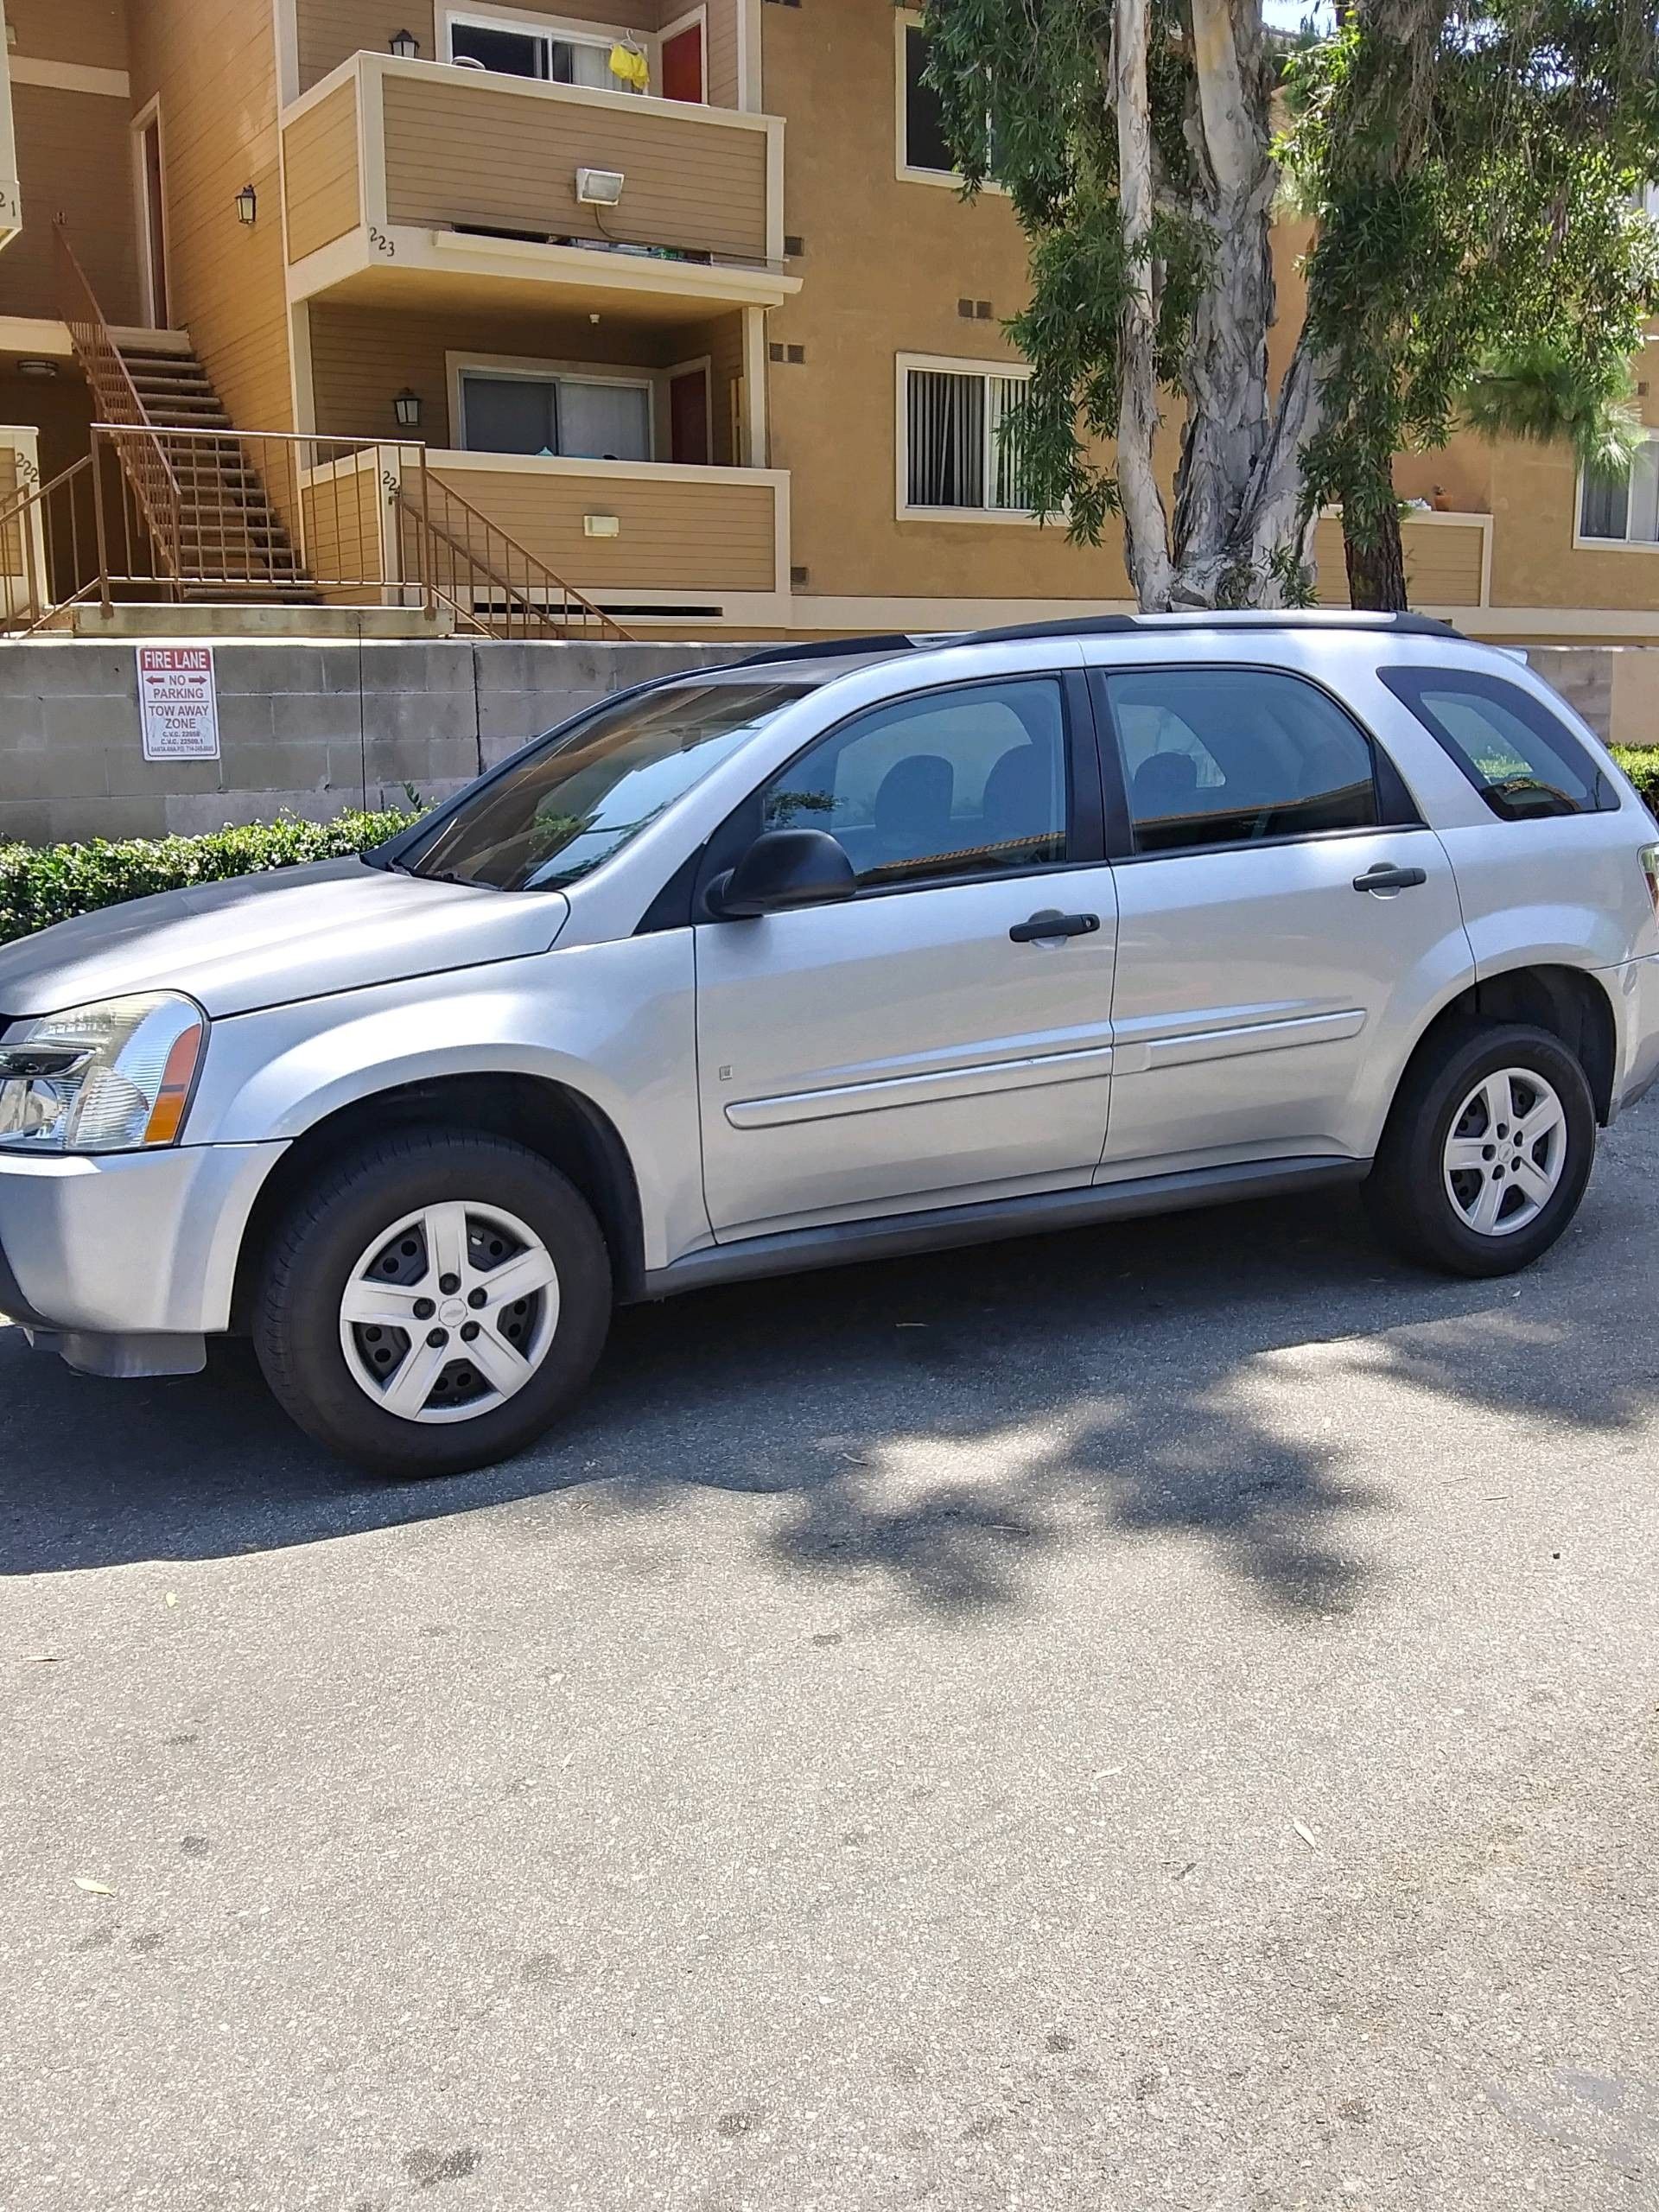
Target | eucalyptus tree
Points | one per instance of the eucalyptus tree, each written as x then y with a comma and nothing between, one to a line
1467,172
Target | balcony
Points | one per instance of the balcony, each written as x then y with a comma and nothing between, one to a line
417,183
1448,559
641,542
11,215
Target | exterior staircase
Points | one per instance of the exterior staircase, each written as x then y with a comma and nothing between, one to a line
231,542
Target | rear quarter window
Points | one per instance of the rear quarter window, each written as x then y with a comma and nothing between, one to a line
1522,758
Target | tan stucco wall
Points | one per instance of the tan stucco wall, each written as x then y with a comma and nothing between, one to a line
885,263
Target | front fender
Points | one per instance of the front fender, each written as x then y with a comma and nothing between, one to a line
615,1023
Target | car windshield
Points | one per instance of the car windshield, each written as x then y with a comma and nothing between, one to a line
576,800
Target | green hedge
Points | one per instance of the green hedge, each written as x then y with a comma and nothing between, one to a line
1641,764
43,884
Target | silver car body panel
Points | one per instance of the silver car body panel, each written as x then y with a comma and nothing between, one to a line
258,940
781,1084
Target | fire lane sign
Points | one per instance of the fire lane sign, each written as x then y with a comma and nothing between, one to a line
178,702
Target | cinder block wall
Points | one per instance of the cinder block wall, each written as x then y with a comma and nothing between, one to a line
311,729
315,728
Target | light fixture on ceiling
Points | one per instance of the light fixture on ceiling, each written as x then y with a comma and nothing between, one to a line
37,368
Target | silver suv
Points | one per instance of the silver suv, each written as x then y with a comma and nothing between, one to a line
838,952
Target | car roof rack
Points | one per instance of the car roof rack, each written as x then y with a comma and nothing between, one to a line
895,641
1103,625
1206,618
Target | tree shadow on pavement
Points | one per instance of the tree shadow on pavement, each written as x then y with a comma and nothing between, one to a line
944,1422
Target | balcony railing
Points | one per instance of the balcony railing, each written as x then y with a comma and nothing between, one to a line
397,170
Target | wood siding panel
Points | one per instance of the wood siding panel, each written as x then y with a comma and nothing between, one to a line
324,197
213,63
501,155
343,527
694,538
725,34
1442,563
74,158
91,33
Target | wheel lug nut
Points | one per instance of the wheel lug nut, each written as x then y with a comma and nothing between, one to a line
438,1338
448,1285
478,1298
424,1309
470,1331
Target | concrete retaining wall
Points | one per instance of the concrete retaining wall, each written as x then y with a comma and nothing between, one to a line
311,729
317,727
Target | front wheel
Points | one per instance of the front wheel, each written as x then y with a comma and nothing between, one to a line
434,1304
1487,1152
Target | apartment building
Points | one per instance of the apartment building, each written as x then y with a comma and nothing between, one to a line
635,311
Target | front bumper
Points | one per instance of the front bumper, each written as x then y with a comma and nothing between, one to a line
129,1245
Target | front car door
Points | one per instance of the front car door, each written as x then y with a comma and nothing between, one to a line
921,1044
1287,924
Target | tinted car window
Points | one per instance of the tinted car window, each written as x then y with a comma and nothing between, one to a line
1521,758
1227,756
568,806
968,781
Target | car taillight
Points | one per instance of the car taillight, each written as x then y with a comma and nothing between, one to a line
1648,857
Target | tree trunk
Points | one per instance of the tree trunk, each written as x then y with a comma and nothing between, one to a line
1146,523
1225,379
1376,571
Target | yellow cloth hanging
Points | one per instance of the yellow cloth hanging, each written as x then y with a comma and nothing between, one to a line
631,66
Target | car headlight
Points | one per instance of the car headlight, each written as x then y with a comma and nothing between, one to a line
111,1077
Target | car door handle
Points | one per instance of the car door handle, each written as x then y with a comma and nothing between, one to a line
1054,924
1383,877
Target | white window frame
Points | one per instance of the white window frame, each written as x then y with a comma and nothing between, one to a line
905,20
1583,544
1014,372
511,367
561,29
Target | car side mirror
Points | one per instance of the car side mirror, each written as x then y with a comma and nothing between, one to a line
783,869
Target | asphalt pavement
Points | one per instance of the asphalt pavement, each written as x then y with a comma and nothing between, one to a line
1158,1718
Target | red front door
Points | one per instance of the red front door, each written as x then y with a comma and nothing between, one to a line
688,417
683,65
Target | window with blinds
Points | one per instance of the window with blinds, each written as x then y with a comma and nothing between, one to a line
963,450
1622,504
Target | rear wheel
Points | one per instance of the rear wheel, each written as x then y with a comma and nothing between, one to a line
1487,1153
434,1304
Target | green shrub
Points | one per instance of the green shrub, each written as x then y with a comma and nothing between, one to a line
1641,764
43,884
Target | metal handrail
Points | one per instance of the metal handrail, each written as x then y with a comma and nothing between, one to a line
137,443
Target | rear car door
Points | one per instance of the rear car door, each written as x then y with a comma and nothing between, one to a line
928,1041
1286,920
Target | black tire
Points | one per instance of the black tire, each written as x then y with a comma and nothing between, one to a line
1407,1193
296,1316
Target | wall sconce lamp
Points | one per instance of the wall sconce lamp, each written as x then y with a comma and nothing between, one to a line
407,406
405,45
247,205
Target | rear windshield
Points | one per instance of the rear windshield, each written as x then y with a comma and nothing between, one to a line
1521,758
577,799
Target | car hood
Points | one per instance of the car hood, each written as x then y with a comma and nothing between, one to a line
265,940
